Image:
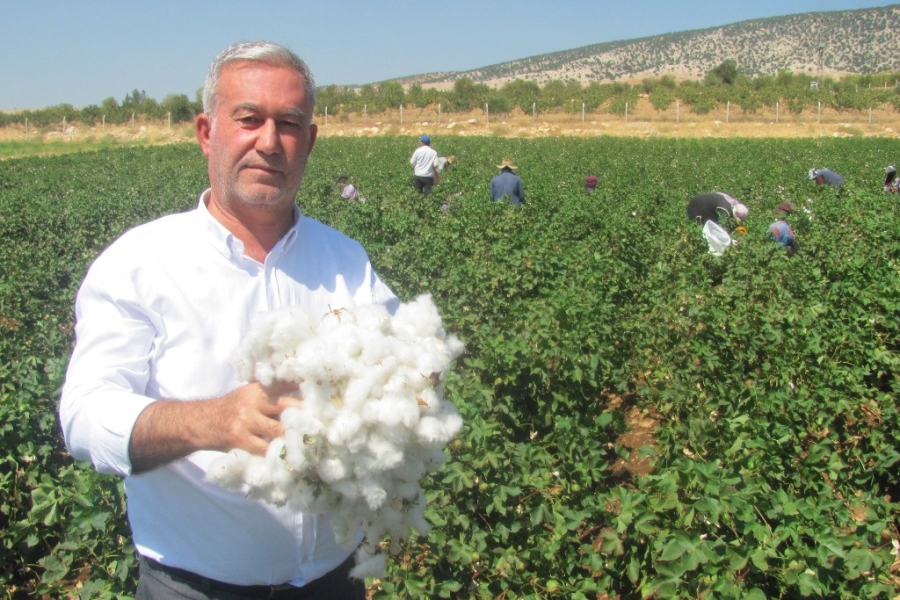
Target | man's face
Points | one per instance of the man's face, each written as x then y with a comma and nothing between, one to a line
259,138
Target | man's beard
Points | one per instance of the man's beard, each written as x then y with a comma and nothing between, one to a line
250,194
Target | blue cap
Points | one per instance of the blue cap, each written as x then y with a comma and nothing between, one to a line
425,139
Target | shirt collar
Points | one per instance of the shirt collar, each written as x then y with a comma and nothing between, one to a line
228,244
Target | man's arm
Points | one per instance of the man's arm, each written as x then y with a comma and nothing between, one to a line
106,412
247,418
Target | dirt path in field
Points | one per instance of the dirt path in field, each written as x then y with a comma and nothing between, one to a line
642,121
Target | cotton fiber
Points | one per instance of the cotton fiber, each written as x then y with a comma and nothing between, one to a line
372,421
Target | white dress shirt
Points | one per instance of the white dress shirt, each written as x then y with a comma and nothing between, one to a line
159,315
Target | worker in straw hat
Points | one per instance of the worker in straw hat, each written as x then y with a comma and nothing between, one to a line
507,184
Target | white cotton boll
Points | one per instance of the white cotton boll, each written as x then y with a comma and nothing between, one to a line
372,317
438,431
264,373
346,430
428,363
455,347
257,475
289,329
228,469
428,401
433,459
372,421
332,469
302,419
394,410
430,430
374,495
360,389
387,454
417,319
412,470
344,527
369,565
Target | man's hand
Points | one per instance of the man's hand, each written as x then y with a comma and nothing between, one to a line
246,418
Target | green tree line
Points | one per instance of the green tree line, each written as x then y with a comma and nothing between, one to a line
794,92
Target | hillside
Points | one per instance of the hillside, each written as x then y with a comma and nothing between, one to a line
846,42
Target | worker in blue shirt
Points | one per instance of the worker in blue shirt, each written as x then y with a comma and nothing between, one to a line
825,176
507,184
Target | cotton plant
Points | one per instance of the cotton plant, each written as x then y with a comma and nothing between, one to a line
372,421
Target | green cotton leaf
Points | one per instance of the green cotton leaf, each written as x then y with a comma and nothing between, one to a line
809,584
759,560
736,560
633,570
612,544
859,559
646,524
673,550
54,568
755,594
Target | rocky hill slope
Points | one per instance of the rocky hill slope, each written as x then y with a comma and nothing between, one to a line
838,42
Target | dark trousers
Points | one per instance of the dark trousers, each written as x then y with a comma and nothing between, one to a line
423,185
158,582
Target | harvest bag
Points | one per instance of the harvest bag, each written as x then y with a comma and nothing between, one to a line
718,238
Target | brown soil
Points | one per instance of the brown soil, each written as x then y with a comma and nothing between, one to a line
642,121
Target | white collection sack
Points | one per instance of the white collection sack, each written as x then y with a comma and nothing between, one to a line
717,237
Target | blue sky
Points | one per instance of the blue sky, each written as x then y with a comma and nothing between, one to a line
61,51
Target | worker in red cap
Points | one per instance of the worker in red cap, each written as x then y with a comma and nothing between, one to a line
590,184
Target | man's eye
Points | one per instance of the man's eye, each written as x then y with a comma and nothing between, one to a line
292,124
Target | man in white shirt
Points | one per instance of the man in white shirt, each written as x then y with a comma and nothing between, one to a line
422,161
151,393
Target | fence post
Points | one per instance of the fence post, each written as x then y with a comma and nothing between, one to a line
326,115
401,115
820,111
727,110
534,111
777,110
364,110
678,111
169,117
103,123
439,113
582,112
26,125
132,120
64,124
626,112
870,115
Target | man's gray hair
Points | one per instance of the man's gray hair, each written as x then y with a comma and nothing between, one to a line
268,53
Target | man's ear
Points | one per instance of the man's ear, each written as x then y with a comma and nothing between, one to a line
203,127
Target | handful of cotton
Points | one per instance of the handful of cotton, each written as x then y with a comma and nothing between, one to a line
371,424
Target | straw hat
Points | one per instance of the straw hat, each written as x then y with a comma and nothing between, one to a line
507,163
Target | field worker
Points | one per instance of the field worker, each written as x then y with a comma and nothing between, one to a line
715,205
442,163
784,235
891,181
785,208
422,161
825,176
508,185
590,184
151,393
